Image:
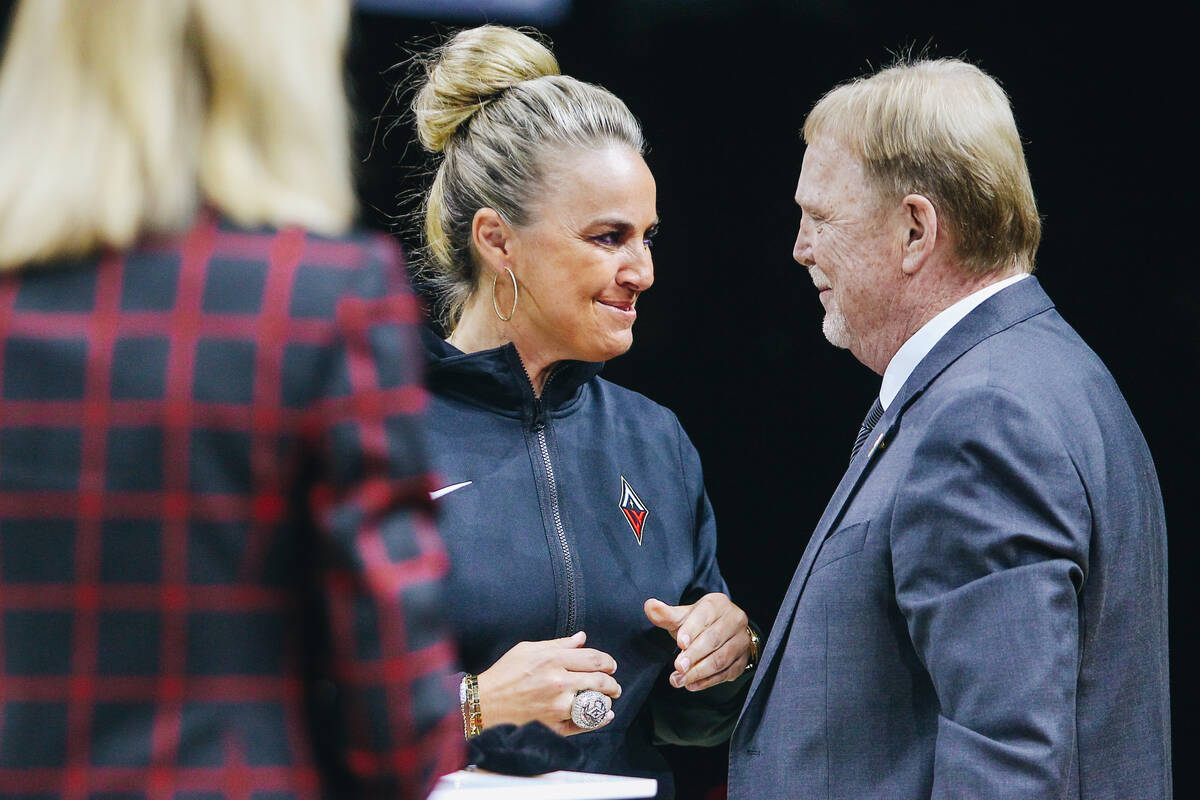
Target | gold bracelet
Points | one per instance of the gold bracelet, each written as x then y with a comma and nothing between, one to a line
753,662
468,700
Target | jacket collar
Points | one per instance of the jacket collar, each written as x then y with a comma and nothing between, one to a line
496,379
1004,309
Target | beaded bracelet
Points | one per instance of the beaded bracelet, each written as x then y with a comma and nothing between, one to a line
468,701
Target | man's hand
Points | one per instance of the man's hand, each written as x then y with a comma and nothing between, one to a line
712,638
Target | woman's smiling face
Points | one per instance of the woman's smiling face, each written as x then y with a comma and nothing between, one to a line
584,258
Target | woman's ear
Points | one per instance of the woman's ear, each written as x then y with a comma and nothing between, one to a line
492,239
921,223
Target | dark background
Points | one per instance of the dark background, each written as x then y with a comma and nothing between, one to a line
729,337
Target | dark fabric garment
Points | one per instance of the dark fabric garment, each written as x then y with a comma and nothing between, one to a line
525,750
218,570
574,458
981,611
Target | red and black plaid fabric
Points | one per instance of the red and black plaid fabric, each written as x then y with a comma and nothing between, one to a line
218,577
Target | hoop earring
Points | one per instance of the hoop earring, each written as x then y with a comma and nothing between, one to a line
495,305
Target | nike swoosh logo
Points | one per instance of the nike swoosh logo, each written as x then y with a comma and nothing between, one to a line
454,487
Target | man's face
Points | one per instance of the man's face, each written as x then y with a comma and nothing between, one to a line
852,248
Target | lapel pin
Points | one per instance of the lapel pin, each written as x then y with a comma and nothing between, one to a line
880,443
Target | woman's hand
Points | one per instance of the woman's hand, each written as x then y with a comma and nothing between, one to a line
712,638
538,681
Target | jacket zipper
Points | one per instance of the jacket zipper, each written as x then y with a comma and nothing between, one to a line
539,427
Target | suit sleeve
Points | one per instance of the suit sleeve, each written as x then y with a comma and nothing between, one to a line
990,549
704,718
381,562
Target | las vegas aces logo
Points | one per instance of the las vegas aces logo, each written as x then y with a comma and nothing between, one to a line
633,508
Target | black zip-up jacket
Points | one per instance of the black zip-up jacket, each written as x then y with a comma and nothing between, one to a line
565,513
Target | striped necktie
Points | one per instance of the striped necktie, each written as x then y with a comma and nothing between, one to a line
872,417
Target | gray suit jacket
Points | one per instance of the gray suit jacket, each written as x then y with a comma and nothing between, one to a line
982,610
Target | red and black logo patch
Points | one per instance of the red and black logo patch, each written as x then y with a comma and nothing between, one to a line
634,509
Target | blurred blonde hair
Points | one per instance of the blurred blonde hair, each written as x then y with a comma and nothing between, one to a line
119,117
944,129
493,104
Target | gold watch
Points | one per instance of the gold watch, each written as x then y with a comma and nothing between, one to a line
754,641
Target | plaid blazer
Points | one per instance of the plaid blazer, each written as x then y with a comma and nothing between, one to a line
218,575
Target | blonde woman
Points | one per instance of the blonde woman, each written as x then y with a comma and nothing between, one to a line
216,568
585,587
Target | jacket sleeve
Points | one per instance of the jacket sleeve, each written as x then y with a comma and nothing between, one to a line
704,718
381,563
990,541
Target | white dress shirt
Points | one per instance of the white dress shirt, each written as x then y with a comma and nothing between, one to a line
921,342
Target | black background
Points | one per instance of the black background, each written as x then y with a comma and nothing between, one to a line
729,337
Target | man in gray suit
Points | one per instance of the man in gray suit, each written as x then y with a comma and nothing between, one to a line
981,610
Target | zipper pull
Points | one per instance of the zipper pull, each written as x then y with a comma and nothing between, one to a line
539,420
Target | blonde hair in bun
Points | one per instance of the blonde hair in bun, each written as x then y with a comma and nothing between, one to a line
471,70
494,105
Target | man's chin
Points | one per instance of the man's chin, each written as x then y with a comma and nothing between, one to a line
834,328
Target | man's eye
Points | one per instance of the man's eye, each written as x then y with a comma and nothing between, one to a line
610,239
648,239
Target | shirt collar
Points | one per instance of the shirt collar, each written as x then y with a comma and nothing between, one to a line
920,343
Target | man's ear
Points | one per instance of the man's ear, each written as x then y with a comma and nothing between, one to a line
921,231
492,239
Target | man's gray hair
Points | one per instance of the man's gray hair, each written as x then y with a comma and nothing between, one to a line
943,129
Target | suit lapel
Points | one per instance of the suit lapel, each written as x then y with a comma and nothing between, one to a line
1006,308
833,511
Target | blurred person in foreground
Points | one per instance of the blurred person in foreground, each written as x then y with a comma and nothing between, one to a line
981,611
217,570
574,510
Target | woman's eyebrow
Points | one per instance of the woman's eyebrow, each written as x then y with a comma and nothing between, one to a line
622,225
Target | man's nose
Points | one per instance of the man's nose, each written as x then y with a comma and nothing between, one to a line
802,249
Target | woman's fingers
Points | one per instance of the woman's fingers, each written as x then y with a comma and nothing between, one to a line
586,660
576,639
571,682
718,647
568,728
717,621
725,663
707,657
667,617
703,613
539,680
708,641
600,681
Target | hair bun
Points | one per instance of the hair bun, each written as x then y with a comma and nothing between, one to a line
468,70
